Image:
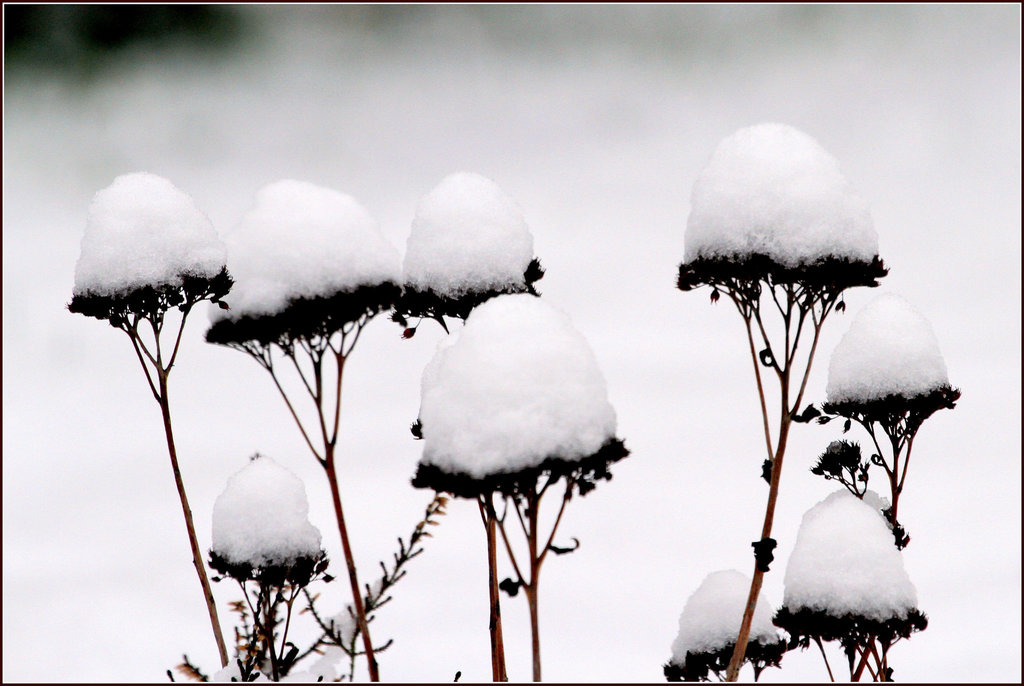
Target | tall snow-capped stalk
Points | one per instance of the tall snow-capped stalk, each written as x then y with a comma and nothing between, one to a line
485,436
148,249
312,269
774,225
469,243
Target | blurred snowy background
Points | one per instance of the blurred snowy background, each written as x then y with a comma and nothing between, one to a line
597,119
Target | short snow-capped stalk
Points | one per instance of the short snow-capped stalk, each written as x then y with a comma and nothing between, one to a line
518,427
310,304
845,582
707,629
261,534
469,243
775,227
887,375
148,249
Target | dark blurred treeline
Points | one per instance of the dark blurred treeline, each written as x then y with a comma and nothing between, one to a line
85,37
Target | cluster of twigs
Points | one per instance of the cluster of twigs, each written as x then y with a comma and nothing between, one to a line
802,297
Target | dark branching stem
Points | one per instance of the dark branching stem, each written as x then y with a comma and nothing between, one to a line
156,368
794,308
527,509
316,349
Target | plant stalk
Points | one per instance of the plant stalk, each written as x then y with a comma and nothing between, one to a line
498,669
197,559
532,589
357,597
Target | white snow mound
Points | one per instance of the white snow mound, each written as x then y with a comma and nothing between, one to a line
712,616
772,190
142,231
518,385
890,349
467,236
844,562
261,517
300,240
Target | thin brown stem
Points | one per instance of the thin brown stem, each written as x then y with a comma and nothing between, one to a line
760,389
532,589
785,421
825,658
197,559
357,599
558,519
498,670
295,416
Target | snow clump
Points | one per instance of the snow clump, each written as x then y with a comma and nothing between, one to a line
467,236
300,240
844,563
711,618
142,231
890,349
261,520
519,384
772,190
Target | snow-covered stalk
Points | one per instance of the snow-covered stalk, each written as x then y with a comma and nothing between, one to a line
148,249
773,223
515,402
261,533
846,582
469,243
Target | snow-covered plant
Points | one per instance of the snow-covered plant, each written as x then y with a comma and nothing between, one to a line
469,242
708,628
775,227
888,376
262,534
845,582
515,404
312,269
148,251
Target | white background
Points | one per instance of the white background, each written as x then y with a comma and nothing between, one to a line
596,120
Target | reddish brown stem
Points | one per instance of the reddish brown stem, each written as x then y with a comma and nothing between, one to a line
357,596
531,591
498,669
197,559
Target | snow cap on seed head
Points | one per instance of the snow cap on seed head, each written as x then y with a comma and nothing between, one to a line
301,240
142,231
773,191
517,386
844,563
468,236
890,349
261,520
711,618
